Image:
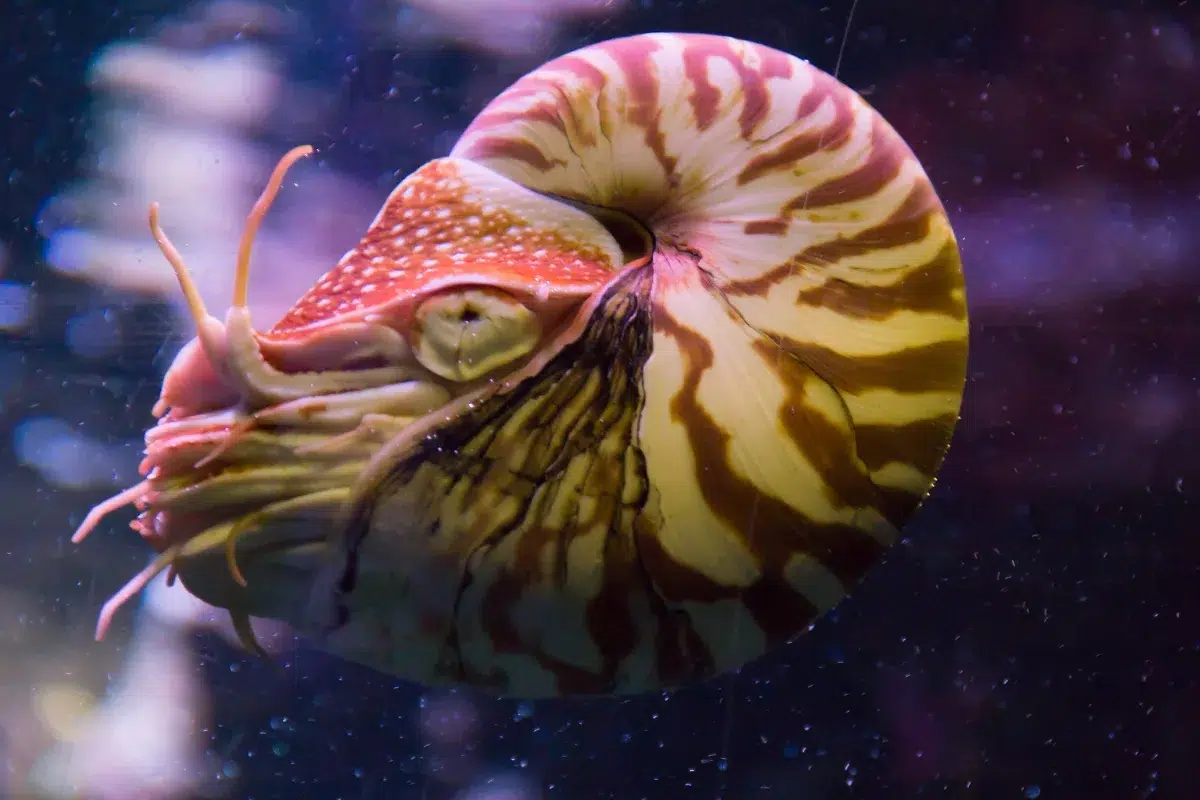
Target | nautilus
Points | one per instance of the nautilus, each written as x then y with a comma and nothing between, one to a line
620,395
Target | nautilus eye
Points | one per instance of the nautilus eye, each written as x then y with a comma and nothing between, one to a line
623,393
465,334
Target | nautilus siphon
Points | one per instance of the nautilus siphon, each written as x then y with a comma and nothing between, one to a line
623,393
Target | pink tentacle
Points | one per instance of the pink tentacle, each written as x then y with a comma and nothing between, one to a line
103,509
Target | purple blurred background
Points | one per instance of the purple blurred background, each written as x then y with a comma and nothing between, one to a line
1034,637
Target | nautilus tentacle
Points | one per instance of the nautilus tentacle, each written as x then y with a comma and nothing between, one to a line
689,323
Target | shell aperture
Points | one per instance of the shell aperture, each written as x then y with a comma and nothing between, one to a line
642,468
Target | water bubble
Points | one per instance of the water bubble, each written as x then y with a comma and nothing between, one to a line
1033,792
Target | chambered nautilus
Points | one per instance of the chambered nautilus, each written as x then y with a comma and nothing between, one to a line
620,395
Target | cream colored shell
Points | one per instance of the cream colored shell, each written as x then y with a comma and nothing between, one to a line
754,413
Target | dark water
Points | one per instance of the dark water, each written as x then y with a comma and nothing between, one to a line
1036,634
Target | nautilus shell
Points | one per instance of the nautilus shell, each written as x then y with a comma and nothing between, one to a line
620,395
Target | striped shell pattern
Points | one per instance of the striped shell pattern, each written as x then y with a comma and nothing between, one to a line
620,395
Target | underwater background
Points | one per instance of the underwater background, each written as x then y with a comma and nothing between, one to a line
1036,634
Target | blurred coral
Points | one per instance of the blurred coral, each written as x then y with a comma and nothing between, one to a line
142,740
181,125
511,28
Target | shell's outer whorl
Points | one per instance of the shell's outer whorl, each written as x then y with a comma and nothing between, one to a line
808,340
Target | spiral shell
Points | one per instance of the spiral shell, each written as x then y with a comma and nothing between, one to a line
698,348
744,421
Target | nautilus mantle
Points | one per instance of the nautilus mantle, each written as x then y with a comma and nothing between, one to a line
622,394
